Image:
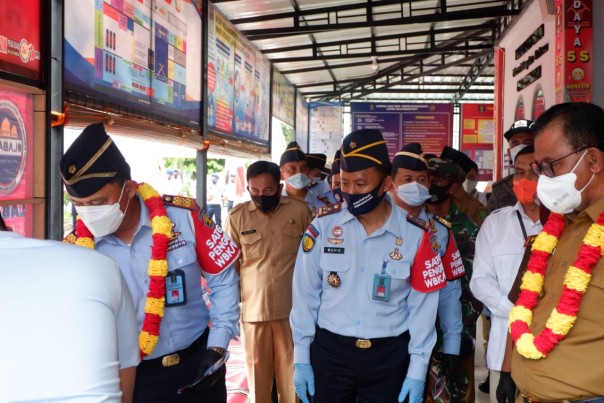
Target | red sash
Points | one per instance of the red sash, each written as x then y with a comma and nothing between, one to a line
427,272
452,260
215,250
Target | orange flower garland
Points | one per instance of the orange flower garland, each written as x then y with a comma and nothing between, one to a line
576,282
161,228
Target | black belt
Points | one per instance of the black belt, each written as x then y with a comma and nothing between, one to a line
590,400
360,343
176,357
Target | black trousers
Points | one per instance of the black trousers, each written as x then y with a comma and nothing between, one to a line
347,374
158,384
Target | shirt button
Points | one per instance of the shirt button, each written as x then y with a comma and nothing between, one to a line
358,322
563,263
180,261
551,295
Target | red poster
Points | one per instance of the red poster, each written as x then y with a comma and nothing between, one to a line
20,40
574,35
477,137
16,160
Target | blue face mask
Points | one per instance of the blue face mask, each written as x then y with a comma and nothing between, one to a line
363,203
298,181
337,195
413,193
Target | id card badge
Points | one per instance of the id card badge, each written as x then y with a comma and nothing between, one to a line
175,288
381,287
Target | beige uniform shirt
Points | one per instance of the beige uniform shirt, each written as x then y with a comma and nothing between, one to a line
574,369
470,206
269,245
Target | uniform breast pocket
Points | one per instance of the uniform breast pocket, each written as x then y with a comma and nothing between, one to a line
182,256
592,300
250,245
289,243
336,271
507,259
399,273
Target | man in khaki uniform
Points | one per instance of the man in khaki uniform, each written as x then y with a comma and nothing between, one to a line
268,230
466,202
569,154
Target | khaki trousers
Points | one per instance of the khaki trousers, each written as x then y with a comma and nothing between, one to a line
269,354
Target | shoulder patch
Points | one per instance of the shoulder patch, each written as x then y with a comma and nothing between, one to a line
179,201
323,200
418,222
327,210
442,221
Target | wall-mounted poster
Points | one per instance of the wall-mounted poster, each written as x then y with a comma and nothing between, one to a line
243,86
326,129
538,102
238,82
140,55
477,136
16,159
302,121
283,98
402,123
20,38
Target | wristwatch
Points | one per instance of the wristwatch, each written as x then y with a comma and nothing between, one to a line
219,350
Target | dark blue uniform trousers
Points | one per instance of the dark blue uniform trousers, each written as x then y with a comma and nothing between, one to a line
348,374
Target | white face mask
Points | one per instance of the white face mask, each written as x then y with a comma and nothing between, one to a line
102,220
469,185
514,152
298,181
413,193
559,193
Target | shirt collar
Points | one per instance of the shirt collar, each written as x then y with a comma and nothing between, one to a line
593,212
10,235
391,225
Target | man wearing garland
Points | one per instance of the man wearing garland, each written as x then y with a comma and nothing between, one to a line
557,321
163,247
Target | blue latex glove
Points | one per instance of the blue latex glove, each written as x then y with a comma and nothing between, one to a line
414,389
304,381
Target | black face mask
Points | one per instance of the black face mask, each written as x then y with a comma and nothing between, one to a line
363,203
439,193
266,204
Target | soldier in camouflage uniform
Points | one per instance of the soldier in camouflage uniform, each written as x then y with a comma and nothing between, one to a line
444,176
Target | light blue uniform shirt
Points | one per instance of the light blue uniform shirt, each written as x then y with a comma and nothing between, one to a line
449,305
350,310
311,200
182,324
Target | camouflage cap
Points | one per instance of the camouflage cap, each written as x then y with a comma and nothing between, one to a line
442,168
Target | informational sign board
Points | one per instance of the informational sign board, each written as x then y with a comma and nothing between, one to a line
403,123
16,159
326,129
574,50
477,137
238,82
142,55
301,121
283,98
20,41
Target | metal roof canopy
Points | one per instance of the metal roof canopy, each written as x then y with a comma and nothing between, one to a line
342,50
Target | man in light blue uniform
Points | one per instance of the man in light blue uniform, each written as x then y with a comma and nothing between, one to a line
320,178
294,173
112,209
360,329
411,182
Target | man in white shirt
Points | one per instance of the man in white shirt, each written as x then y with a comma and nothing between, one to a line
499,250
69,329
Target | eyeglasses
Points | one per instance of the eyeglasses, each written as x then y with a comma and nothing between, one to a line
547,167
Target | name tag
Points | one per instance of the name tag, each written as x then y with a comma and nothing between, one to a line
176,293
329,249
248,231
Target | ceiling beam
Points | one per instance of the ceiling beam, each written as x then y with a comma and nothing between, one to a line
270,33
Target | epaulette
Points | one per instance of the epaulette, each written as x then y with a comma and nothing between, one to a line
323,199
442,221
418,222
179,201
70,238
327,210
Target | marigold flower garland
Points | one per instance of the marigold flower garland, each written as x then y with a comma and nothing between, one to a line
161,228
576,282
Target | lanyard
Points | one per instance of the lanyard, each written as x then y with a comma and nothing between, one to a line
521,225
